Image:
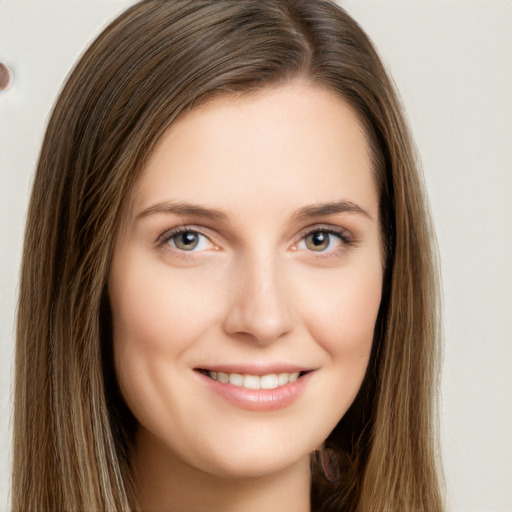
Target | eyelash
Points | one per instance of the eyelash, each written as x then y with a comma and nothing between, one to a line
168,235
345,237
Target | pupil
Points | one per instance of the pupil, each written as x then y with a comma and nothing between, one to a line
318,241
187,240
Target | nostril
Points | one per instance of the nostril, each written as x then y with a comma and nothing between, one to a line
5,77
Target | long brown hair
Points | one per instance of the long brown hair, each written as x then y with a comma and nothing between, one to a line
158,60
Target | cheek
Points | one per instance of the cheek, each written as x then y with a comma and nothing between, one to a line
158,309
341,312
157,315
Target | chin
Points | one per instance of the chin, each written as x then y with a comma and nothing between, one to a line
256,465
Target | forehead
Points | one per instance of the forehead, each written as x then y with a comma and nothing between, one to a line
292,143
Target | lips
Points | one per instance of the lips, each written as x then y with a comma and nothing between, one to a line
256,389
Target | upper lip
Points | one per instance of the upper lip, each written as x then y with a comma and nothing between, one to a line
255,368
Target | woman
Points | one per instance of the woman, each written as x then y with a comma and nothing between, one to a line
228,296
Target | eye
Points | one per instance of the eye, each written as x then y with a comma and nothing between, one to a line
323,240
318,241
187,240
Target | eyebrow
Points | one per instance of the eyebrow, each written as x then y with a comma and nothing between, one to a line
330,208
307,212
181,208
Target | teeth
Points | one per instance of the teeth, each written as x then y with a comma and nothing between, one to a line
236,379
283,378
221,377
270,381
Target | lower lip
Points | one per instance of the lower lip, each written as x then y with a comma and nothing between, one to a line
258,399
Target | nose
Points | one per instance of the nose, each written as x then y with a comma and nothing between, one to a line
260,309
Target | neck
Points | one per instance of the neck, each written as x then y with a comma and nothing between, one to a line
165,483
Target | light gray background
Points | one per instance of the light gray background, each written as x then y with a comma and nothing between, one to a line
452,62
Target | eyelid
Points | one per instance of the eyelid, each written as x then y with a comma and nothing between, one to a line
164,238
346,240
345,235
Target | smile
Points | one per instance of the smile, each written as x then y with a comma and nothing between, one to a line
264,392
269,381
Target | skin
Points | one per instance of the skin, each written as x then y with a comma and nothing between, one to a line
254,290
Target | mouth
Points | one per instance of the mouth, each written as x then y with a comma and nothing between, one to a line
257,388
251,381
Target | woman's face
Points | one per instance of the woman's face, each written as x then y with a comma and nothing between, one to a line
246,281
